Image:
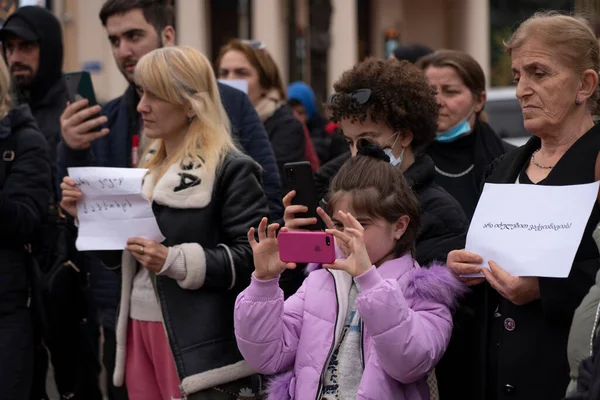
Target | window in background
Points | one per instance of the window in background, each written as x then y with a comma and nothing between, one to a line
505,17
234,21
40,3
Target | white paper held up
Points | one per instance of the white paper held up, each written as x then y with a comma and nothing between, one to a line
239,84
113,208
531,230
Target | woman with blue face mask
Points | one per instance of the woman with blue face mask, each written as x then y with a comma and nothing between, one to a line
465,144
462,150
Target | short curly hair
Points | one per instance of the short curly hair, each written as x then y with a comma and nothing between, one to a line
400,98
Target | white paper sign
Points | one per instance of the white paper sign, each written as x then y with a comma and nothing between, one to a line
239,84
113,208
531,230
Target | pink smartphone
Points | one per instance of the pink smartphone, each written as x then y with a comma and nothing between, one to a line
306,247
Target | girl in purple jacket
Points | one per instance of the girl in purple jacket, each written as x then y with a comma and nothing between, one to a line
371,325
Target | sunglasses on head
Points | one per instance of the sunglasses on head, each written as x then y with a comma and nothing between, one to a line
361,96
255,44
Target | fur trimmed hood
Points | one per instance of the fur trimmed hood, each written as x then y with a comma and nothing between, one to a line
436,282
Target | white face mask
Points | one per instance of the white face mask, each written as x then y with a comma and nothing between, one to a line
388,151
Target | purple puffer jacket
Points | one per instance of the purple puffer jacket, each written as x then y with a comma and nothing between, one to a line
407,316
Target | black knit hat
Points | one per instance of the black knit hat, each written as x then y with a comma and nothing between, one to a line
411,52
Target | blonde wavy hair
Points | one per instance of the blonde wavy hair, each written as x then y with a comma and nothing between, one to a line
5,97
182,76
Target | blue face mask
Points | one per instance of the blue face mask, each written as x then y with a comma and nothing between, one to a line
450,135
393,160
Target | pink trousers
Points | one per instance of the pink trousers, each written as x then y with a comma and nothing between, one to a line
150,372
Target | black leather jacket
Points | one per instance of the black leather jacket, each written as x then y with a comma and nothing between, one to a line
199,322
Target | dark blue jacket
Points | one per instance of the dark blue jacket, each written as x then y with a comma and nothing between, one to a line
114,150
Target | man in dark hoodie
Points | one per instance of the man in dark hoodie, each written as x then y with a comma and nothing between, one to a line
33,50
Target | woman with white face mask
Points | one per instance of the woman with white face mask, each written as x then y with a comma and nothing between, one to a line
465,144
389,104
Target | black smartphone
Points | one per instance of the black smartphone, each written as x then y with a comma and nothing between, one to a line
79,87
299,177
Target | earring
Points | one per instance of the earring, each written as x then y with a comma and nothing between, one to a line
397,237
190,119
577,102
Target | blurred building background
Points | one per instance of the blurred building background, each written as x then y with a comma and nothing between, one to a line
313,40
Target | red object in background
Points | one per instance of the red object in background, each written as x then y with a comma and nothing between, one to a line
135,142
309,151
330,128
309,148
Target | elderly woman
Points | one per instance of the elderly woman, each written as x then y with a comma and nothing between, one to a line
525,321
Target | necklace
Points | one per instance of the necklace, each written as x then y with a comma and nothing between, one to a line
539,165
459,175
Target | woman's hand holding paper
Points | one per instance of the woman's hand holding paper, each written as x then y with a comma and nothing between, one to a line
519,290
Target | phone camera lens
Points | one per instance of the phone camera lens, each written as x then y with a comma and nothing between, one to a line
327,240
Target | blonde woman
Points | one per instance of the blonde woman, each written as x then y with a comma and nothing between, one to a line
25,187
175,332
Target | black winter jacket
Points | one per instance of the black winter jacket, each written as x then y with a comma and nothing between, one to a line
23,204
47,114
482,146
286,134
443,222
209,220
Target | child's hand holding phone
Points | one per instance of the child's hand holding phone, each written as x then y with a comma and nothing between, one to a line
267,263
358,261
294,224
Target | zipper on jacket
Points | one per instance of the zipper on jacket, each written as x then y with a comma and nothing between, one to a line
183,395
362,344
337,302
